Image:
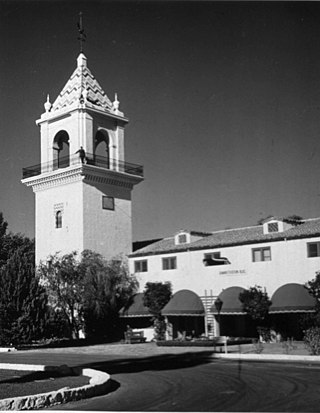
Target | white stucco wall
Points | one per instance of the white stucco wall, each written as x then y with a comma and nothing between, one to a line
50,239
85,224
289,264
105,231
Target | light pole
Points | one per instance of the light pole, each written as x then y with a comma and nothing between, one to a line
218,304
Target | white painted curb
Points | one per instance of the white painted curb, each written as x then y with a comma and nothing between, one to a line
266,357
7,349
99,383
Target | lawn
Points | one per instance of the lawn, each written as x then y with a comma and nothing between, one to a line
14,383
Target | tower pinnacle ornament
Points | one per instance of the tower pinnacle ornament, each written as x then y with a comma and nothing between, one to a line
82,36
47,105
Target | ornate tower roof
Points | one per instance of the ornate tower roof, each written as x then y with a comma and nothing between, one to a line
82,87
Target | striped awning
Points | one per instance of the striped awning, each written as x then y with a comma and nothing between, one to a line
135,308
292,298
231,305
184,303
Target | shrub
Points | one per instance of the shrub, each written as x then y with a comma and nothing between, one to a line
264,333
159,328
312,340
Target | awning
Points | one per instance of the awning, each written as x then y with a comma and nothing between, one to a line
184,303
292,298
135,308
231,305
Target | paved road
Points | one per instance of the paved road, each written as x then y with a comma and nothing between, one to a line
198,383
148,378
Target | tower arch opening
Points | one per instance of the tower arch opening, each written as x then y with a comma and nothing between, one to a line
102,148
61,151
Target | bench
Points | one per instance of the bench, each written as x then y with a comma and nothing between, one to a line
134,337
221,340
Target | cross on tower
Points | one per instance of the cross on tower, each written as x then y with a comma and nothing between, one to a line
82,36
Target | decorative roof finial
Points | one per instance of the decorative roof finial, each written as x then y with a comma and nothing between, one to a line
115,103
82,36
47,105
85,94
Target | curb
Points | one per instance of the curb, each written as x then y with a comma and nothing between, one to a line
7,349
266,357
99,384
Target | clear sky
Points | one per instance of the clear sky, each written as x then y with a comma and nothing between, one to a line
223,100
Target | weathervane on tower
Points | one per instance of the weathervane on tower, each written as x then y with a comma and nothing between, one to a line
82,36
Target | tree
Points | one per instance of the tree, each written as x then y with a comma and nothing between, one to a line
155,297
294,219
262,220
313,287
256,303
309,320
65,287
88,290
23,302
3,226
108,286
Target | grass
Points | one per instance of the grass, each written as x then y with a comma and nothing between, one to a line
15,383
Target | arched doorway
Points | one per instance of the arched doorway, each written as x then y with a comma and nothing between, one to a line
289,303
61,153
102,149
186,313
231,318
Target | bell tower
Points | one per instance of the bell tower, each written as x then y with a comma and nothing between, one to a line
83,184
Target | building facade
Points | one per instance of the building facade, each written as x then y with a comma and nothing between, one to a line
280,256
83,185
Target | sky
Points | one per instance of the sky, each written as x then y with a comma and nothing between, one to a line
223,101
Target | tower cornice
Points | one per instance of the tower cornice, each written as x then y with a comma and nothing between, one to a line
87,173
84,107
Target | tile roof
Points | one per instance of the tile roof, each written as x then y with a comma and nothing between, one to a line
232,237
80,80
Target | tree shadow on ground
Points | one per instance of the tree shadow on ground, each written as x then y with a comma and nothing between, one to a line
33,376
162,362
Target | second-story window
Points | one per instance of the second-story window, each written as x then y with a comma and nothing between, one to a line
313,249
214,258
169,263
261,254
141,266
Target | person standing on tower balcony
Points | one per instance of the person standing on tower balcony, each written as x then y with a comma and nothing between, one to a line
82,154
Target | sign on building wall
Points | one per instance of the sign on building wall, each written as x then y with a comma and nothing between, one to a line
232,272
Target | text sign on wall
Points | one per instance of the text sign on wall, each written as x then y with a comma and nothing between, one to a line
232,272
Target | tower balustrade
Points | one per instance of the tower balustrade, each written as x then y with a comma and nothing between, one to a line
91,159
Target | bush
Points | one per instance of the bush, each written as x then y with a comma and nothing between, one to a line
159,325
312,340
264,333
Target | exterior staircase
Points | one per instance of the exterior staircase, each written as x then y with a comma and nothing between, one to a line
210,325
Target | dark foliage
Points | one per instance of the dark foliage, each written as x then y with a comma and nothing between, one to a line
88,291
23,301
156,296
255,302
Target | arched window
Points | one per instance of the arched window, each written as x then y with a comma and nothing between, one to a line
61,155
58,219
102,149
